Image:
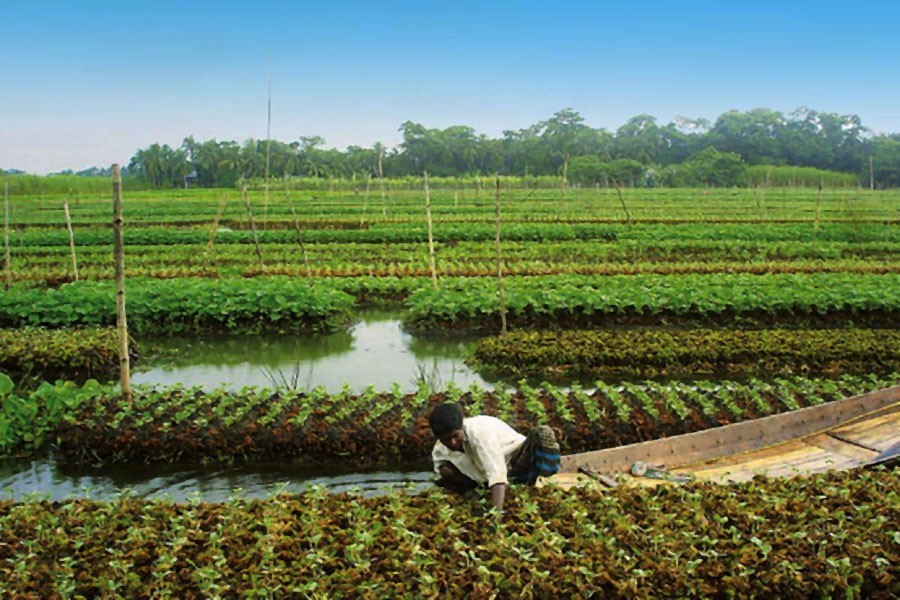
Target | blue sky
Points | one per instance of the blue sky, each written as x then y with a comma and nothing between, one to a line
88,83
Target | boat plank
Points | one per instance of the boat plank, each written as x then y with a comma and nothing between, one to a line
878,434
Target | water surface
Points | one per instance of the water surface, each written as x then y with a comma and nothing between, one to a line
43,477
376,351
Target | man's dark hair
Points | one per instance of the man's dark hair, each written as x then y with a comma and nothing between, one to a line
445,419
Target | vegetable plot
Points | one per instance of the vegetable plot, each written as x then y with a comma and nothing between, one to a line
833,535
190,425
50,354
674,354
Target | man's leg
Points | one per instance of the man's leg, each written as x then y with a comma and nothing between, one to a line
537,457
453,479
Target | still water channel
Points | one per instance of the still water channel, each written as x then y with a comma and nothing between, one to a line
376,351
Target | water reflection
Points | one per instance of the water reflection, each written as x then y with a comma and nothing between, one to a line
22,479
376,351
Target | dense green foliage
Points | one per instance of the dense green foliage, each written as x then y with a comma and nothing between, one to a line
28,419
260,304
314,426
672,354
74,185
580,301
30,353
832,535
640,153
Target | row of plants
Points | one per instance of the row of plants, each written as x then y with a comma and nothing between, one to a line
418,267
570,300
178,424
826,536
671,251
781,202
39,354
676,354
416,232
249,305
574,301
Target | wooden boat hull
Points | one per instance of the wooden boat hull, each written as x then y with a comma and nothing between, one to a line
845,434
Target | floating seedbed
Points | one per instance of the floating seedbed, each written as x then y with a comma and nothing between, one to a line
687,354
190,425
825,536
77,354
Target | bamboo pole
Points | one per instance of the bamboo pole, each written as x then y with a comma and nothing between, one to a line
871,173
622,201
215,229
71,238
287,196
431,263
500,290
252,225
119,252
381,180
268,154
7,255
818,205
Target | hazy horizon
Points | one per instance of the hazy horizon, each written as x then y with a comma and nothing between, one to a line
89,84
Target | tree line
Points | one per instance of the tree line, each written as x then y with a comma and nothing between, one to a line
642,152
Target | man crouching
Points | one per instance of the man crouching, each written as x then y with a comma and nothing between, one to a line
484,450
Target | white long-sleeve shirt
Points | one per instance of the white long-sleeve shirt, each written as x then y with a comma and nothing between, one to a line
486,451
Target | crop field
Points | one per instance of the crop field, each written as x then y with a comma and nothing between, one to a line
632,315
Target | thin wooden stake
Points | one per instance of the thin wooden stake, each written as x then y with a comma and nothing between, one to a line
7,255
818,204
871,173
431,264
500,290
215,229
268,154
252,225
381,180
71,238
622,201
119,251
287,196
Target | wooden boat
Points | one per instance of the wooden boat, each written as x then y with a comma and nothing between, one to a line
858,431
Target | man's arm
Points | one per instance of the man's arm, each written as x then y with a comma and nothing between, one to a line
498,496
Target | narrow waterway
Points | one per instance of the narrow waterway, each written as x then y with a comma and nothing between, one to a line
43,478
376,351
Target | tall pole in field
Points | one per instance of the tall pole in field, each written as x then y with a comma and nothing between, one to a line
252,224
871,173
500,289
212,233
7,257
71,238
622,202
431,264
287,196
268,153
119,252
381,179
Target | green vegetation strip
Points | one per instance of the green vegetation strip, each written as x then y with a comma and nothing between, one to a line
585,301
295,304
191,425
52,265
562,356
826,536
279,304
415,232
49,354
27,419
